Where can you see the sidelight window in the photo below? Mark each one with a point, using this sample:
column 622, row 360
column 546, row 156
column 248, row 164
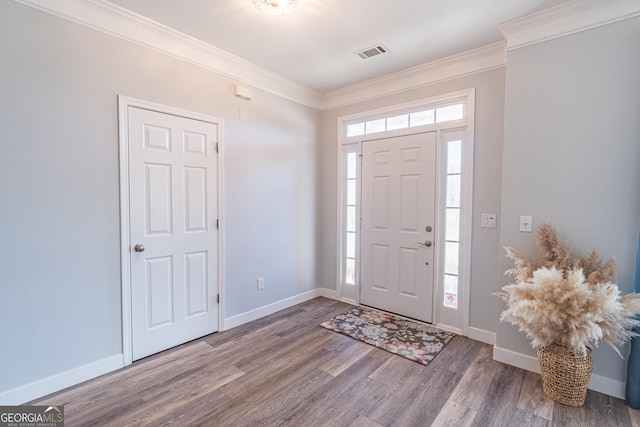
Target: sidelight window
column 351, row 216
column 452, row 222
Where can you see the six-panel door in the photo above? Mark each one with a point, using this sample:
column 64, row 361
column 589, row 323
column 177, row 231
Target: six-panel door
column 173, row 214
column 398, row 205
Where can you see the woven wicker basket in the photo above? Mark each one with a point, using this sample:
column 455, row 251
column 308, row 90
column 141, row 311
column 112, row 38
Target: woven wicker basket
column 565, row 375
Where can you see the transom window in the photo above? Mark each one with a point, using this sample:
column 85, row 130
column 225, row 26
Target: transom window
column 431, row 116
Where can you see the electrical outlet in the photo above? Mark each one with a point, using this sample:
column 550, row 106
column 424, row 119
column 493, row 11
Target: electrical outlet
column 526, row 224
column 260, row 283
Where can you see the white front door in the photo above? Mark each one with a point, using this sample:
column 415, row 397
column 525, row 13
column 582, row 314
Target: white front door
column 398, row 230
column 173, row 231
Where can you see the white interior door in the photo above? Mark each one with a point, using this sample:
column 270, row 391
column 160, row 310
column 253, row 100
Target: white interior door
column 174, row 236
column 398, row 208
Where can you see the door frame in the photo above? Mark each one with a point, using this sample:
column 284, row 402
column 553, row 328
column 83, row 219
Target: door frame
column 124, row 103
column 442, row 316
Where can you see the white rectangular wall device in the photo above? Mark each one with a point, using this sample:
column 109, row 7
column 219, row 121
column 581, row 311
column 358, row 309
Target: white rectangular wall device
column 242, row 92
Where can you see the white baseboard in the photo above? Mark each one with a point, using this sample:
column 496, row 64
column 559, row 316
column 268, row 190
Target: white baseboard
column 449, row 328
column 45, row 386
column 598, row 383
column 608, row 386
column 327, row 293
column 482, row 335
column 241, row 319
column 349, row 301
column 519, row 360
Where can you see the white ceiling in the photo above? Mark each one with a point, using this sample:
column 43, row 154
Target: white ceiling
column 315, row 46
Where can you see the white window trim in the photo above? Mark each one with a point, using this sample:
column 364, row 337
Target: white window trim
column 342, row 197
column 458, row 321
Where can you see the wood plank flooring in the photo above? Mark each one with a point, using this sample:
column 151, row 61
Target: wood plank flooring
column 285, row 370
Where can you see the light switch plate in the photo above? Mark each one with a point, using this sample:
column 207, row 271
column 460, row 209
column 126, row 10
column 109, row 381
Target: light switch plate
column 489, row 220
column 526, row 224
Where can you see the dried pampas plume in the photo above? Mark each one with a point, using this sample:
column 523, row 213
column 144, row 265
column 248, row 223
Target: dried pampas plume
column 575, row 304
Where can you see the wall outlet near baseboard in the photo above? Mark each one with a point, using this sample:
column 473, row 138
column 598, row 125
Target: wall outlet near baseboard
column 260, row 283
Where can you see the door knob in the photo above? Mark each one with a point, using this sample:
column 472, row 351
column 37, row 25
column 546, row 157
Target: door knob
column 429, row 228
column 139, row 247
column 427, row 243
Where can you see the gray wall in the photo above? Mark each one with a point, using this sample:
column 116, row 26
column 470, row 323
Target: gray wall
column 572, row 144
column 571, row 153
column 486, row 193
column 59, row 187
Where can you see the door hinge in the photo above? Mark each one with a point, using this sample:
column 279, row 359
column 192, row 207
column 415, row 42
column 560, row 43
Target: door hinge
column 218, row 298
column 217, row 148
column 218, row 224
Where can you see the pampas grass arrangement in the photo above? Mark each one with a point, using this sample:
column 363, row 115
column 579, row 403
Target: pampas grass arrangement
column 574, row 303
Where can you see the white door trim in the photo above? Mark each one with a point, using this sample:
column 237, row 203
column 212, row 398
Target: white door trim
column 124, row 103
column 351, row 294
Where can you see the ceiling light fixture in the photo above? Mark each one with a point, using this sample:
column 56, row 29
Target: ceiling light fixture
column 275, row 7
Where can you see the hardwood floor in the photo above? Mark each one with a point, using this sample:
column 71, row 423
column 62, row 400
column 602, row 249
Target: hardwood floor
column 286, row 370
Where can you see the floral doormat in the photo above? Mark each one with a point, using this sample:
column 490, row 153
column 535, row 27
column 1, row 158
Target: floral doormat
column 411, row 340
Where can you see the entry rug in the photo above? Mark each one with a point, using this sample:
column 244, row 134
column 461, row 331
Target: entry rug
column 411, row 340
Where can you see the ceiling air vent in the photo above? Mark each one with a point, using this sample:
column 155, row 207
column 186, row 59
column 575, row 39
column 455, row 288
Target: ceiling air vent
column 372, row 51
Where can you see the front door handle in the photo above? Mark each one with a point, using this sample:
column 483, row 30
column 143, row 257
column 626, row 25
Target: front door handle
column 427, row 243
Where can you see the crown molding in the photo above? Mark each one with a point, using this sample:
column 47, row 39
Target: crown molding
column 565, row 19
column 463, row 64
column 572, row 17
column 117, row 21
